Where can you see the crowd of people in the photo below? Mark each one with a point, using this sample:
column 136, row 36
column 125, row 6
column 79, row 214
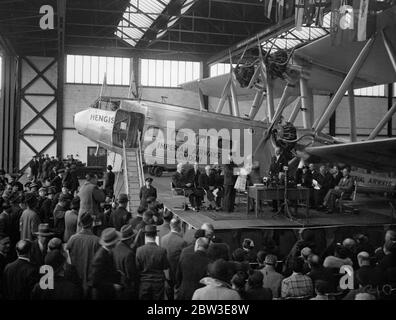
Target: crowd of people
column 99, row 250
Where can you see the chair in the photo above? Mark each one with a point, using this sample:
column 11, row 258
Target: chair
column 344, row 200
column 177, row 193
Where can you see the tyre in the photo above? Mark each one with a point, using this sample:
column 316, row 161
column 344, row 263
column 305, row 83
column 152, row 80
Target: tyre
column 158, row 171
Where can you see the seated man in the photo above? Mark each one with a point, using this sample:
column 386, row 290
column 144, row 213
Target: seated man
column 207, row 182
column 181, row 180
column 322, row 184
column 344, row 187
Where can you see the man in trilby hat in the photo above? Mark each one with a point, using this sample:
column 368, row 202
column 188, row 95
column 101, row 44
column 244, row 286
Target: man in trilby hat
column 104, row 278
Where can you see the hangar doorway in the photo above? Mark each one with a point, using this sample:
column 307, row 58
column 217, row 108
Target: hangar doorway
column 96, row 160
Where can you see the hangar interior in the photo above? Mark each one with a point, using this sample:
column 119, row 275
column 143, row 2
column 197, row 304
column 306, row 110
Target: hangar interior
column 49, row 75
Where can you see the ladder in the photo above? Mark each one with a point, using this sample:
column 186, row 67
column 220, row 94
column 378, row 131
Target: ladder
column 133, row 174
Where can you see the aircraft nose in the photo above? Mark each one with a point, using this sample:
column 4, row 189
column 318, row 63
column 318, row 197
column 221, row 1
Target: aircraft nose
column 80, row 120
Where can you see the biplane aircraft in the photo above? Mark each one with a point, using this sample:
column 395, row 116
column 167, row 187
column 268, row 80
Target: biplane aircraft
column 314, row 68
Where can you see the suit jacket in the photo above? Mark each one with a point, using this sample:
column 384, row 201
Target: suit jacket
column 63, row 290
column 324, row 181
column 229, row 177
column 36, row 255
column 90, row 198
column 104, row 274
column 19, row 279
column 305, row 179
column 82, row 247
column 277, row 165
column 205, row 181
column 124, row 259
column 29, row 222
column 5, row 223
column 145, row 193
column 173, row 243
column 178, row 180
column 109, row 180
column 346, row 185
column 191, row 269
column 119, row 217
column 57, row 183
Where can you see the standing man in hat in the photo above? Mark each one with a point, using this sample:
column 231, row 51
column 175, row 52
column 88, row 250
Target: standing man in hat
column 33, row 165
column 153, row 267
column 147, row 191
column 63, row 289
column 109, row 180
column 91, row 196
column 59, row 215
column 21, row 275
column 40, row 245
column 164, row 228
column 125, row 261
column 82, row 247
column 272, row 279
column 121, row 215
column 71, row 219
column 229, row 183
column 29, row 220
column 57, row 181
column 104, row 277
column 173, row 243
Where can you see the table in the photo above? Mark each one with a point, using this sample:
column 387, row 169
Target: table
column 261, row 193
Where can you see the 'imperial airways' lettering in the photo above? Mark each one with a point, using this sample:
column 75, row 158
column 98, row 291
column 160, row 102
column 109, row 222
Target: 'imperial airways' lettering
column 102, row 118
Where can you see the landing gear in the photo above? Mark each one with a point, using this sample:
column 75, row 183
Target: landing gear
column 151, row 170
column 158, row 171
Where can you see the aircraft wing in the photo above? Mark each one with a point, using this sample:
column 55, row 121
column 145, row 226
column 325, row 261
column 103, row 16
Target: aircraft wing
column 377, row 155
column 213, row 87
column 327, row 65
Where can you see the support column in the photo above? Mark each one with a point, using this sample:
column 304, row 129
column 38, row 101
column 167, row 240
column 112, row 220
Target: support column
column 352, row 113
column 306, row 103
column 205, row 74
column 256, row 105
column 234, row 97
column 61, row 13
column 270, row 99
column 390, row 102
column 295, row 111
column 382, row 123
column 345, row 85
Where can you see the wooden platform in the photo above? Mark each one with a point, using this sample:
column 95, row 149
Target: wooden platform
column 371, row 213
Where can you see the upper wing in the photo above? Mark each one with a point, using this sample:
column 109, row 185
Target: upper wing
column 378, row 155
column 213, row 87
column 327, row 65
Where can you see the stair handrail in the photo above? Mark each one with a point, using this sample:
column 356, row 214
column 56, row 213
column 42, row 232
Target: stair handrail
column 140, row 162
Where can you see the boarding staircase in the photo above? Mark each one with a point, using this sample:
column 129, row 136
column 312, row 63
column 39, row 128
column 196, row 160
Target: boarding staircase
column 132, row 165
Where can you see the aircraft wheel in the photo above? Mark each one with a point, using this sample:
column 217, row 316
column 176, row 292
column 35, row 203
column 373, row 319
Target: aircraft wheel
column 151, row 170
column 158, row 171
